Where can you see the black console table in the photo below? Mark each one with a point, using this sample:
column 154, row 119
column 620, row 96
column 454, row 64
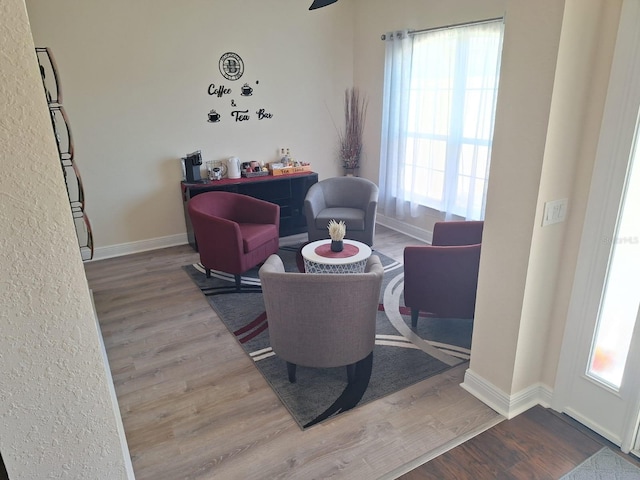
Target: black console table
column 288, row 191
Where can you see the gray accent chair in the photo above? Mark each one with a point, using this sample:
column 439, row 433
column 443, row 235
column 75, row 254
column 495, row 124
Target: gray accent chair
column 321, row 320
column 353, row 200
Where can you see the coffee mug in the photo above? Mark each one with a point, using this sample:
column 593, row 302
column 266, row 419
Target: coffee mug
column 216, row 174
column 214, row 116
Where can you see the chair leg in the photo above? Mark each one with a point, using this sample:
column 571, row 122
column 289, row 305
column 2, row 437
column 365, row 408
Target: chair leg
column 291, row 371
column 208, row 272
column 238, row 282
column 414, row 317
column 351, row 373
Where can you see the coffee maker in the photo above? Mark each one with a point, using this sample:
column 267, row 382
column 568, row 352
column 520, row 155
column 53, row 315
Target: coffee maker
column 192, row 163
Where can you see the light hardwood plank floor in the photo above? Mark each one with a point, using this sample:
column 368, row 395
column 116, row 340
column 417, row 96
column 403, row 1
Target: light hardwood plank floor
column 194, row 406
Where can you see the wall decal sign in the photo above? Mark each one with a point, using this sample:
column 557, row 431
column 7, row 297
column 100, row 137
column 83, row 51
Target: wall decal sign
column 214, row 116
column 231, row 66
column 241, row 115
column 218, row 91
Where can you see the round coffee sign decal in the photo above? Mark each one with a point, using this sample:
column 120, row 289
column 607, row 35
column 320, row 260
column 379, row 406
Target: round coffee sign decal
column 231, row 66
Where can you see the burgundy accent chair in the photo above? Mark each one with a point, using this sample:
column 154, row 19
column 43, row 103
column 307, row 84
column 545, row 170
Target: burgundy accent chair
column 234, row 232
column 442, row 278
column 321, row 320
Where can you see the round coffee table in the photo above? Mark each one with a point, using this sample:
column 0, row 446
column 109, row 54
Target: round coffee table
column 318, row 257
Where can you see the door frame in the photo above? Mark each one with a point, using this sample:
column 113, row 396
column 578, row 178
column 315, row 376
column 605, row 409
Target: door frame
column 615, row 147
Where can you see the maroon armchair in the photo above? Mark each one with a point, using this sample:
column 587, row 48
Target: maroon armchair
column 234, row 232
column 441, row 279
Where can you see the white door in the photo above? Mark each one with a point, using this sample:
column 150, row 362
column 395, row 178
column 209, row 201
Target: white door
column 598, row 380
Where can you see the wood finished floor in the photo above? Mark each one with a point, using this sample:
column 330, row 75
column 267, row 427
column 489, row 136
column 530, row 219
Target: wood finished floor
column 194, row 406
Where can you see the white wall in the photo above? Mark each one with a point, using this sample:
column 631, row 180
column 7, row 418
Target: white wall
column 589, row 28
column 582, row 74
column 135, row 77
column 531, row 40
column 57, row 418
column 549, row 114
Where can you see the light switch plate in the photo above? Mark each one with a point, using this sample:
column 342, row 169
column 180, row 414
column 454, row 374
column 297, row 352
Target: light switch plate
column 555, row 212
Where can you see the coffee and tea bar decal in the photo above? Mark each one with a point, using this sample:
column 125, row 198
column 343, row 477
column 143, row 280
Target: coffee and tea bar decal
column 233, row 96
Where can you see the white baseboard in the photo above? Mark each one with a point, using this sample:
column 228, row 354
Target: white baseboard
column 100, row 253
column 126, row 455
column 506, row 405
column 402, row 227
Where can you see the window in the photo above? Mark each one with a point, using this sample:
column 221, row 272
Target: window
column 438, row 114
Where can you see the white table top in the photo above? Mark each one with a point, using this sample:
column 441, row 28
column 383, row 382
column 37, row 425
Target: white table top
column 309, row 253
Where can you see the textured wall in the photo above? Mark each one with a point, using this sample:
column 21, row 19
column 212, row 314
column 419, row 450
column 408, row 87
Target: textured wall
column 56, row 415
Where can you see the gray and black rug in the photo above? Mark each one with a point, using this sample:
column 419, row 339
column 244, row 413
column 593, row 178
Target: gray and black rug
column 402, row 357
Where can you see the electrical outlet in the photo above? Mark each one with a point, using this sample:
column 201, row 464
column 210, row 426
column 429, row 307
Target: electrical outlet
column 555, row 212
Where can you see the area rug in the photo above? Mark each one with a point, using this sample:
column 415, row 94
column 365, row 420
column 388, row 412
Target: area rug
column 604, row 465
column 401, row 357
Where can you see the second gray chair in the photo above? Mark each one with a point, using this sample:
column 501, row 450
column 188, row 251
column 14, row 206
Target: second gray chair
column 323, row 320
column 353, row 200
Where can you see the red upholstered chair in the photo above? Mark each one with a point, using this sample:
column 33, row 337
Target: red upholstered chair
column 442, row 278
column 234, row 232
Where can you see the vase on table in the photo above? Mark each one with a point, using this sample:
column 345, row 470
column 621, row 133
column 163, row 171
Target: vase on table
column 350, row 172
column 337, row 245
